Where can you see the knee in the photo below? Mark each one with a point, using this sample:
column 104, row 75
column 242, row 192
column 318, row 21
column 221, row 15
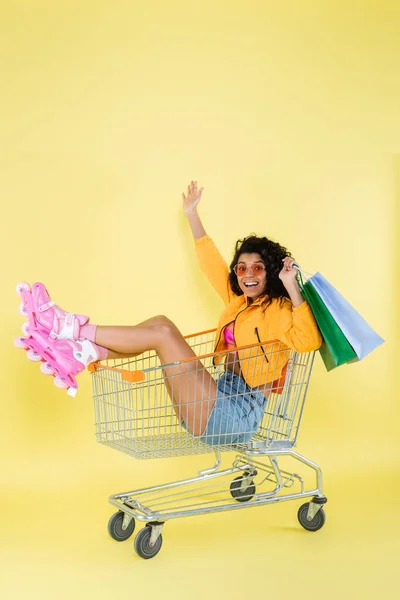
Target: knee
column 159, row 321
column 166, row 327
column 162, row 320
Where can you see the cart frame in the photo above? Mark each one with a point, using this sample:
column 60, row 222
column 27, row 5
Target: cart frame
column 125, row 422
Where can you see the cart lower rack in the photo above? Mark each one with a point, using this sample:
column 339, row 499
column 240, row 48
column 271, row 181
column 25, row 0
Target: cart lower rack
column 135, row 414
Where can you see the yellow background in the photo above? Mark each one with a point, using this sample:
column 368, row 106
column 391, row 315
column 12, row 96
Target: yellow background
column 288, row 114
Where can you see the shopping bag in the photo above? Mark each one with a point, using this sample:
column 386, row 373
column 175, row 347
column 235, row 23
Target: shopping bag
column 362, row 338
column 335, row 349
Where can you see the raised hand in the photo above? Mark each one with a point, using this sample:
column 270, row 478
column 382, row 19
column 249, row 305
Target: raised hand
column 288, row 273
column 193, row 197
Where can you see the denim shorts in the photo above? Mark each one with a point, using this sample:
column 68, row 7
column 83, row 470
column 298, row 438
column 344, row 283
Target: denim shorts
column 237, row 412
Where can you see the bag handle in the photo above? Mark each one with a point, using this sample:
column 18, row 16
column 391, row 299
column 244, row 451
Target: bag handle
column 300, row 275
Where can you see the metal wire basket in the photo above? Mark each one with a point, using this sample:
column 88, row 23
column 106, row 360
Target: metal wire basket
column 134, row 413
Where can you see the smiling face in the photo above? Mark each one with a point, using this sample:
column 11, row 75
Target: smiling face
column 251, row 275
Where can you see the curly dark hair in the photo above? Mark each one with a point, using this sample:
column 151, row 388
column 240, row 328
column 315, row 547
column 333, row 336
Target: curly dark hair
column 272, row 254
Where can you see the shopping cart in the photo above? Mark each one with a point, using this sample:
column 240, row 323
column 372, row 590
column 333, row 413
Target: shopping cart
column 134, row 414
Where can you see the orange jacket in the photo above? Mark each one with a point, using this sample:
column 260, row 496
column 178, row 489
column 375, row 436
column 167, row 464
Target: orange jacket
column 295, row 327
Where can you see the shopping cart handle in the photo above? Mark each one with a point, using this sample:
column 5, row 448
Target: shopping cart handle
column 130, row 376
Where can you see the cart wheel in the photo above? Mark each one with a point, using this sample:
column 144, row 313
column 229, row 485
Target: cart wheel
column 115, row 527
column 142, row 546
column 316, row 522
column 240, row 495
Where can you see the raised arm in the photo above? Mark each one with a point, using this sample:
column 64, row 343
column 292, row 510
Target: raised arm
column 288, row 277
column 297, row 326
column 208, row 255
column 190, row 203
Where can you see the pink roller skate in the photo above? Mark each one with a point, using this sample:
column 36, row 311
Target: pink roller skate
column 44, row 314
column 59, row 358
column 62, row 358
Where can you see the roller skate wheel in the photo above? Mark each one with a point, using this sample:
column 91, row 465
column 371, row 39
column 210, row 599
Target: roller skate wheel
column 22, row 287
column 58, row 382
column 46, row 369
column 23, row 310
column 20, row 342
column 33, row 356
column 72, row 391
column 25, row 330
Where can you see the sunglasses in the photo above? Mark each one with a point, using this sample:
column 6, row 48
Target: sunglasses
column 241, row 269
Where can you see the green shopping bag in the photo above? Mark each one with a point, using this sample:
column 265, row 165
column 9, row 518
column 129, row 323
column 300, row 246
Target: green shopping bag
column 335, row 349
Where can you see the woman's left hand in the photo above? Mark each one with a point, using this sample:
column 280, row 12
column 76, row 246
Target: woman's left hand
column 289, row 272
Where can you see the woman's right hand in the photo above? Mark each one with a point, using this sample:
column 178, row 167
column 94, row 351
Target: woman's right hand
column 193, row 197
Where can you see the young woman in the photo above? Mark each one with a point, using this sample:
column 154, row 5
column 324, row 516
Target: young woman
column 262, row 303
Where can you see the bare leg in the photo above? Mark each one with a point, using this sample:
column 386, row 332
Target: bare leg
column 152, row 321
column 112, row 354
column 191, row 387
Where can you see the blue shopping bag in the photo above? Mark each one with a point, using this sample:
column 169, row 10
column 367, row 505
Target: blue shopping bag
column 359, row 334
column 335, row 349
